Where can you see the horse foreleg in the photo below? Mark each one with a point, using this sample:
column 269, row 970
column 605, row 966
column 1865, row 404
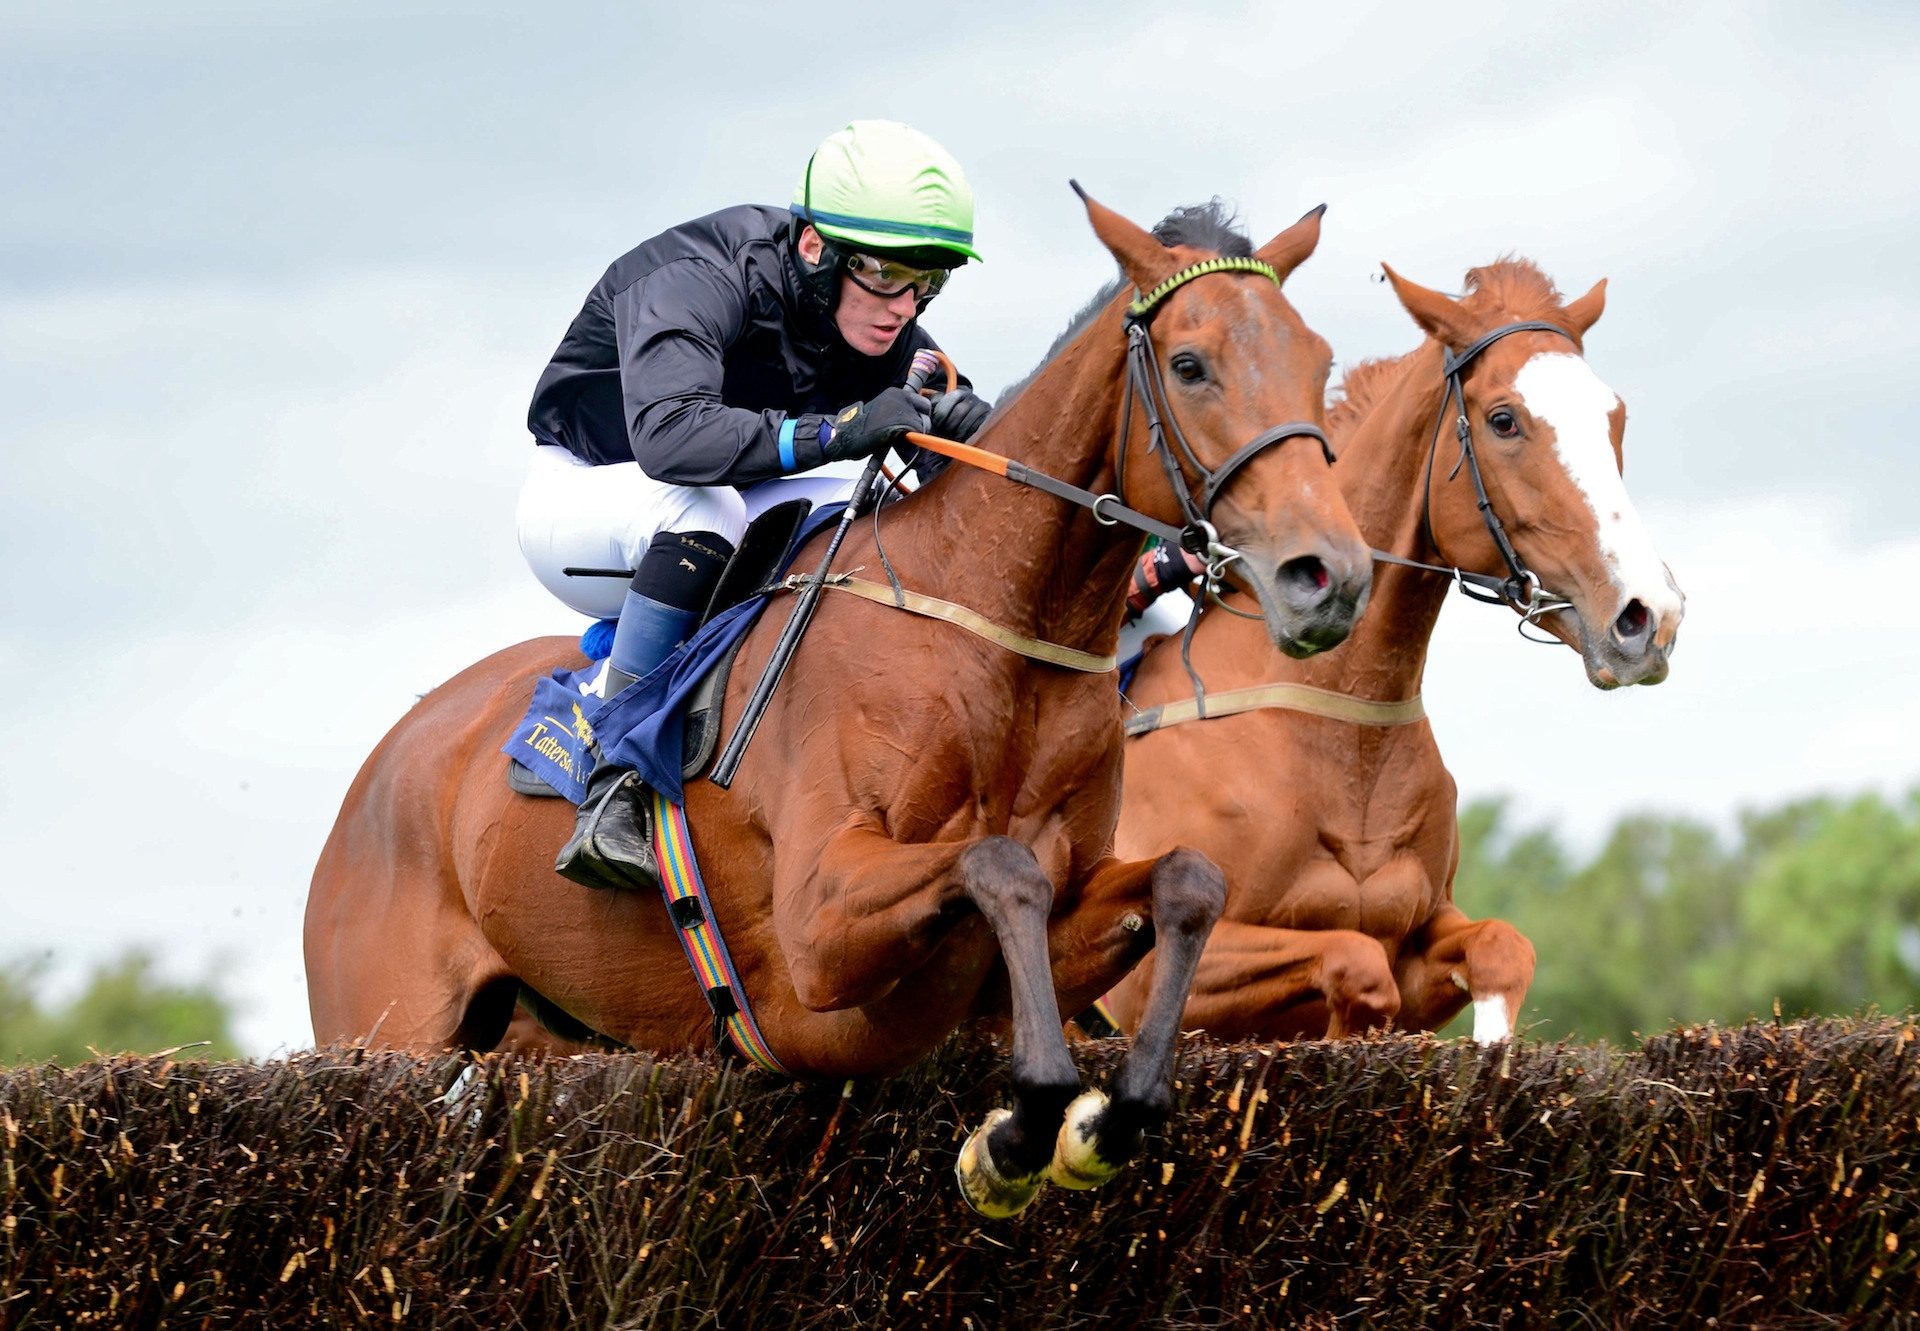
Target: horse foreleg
column 868, row 913
column 865, row 912
column 1455, row 960
column 1258, row 982
column 1004, row 1162
column 1105, row 1130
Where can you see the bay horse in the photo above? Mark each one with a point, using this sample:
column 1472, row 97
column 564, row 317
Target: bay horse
column 922, row 833
column 1338, row 835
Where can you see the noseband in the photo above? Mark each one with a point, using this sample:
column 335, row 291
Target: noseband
column 1521, row 589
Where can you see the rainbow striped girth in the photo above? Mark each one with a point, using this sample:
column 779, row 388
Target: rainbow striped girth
column 692, row 916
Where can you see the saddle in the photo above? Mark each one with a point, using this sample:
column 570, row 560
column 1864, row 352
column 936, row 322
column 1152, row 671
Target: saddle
column 757, row 563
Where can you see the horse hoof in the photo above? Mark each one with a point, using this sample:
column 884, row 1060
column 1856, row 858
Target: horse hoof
column 986, row 1189
column 1076, row 1159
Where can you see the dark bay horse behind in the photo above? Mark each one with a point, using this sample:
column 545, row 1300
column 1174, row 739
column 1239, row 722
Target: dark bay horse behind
column 1338, row 834
column 922, row 832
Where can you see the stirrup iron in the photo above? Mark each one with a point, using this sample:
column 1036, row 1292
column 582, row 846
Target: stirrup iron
column 611, row 846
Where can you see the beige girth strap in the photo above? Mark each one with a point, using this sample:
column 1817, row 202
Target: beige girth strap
column 970, row 620
column 1288, row 697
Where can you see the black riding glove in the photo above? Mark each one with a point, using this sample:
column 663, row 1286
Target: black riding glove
column 959, row 414
column 863, row 430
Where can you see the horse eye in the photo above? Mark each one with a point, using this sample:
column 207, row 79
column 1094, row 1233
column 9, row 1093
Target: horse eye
column 1189, row 368
column 1504, row 423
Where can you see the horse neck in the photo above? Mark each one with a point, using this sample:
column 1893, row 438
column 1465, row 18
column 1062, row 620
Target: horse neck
column 1382, row 473
column 1026, row 560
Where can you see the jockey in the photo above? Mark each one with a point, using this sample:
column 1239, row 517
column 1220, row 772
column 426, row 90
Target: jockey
column 741, row 359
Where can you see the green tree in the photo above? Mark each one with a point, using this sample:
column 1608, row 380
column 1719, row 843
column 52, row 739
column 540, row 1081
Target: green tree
column 1815, row 907
column 125, row 1008
column 1830, row 911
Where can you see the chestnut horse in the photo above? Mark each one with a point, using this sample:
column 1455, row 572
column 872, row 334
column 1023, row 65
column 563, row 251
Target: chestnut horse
column 1339, row 837
column 922, row 832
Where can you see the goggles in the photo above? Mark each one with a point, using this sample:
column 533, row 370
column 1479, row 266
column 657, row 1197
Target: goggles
column 886, row 279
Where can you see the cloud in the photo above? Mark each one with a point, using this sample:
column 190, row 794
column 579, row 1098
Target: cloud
column 275, row 286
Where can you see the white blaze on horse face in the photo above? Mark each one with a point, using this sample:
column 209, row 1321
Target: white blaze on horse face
column 1562, row 390
column 1490, row 1024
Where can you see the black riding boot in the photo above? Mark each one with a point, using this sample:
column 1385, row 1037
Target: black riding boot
column 610, row 846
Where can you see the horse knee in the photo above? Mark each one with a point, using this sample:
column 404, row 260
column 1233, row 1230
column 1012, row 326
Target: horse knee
column 1502, row 957
column 1356, row 977
column 1004, row 879
column 1189, row 894
column 1492, row 958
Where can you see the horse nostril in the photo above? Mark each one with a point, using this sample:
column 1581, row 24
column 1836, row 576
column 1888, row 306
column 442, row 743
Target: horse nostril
column 1305, row 579
column 1633, row 626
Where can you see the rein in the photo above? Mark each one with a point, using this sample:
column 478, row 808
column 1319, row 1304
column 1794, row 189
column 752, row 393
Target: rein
column 1522, row 589
column 1145, row 379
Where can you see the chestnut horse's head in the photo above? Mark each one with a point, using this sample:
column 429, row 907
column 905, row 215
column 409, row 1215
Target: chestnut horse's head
column 1233, row 373
column 1546, row 434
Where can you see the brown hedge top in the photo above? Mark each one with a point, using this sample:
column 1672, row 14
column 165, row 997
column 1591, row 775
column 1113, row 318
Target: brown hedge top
column 1763, row 1175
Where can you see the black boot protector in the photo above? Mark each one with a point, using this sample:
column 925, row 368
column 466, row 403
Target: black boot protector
column 610, row 847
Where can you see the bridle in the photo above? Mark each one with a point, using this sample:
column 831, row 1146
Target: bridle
column 1144, row 377
column 1197, row 532
column 1521, row 589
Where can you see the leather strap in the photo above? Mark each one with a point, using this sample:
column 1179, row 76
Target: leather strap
column 1217, row 478
column 685, row 893
column 1070, row 658
column 1284, row 697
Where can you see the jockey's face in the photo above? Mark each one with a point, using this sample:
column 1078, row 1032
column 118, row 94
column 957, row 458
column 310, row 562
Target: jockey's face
column 869, row 323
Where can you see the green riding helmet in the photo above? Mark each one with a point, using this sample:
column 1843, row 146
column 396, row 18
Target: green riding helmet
column 880, row 185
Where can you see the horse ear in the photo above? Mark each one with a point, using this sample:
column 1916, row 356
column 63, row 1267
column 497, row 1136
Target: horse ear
column 1288, row 250
column 1585, row 312
column 1144, row 260
column 1441, row 317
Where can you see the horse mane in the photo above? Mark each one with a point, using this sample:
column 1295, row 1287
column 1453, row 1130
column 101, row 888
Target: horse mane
column 1360, row 387
column 1514, row 285
column 1511, row 284
column 1206, row 226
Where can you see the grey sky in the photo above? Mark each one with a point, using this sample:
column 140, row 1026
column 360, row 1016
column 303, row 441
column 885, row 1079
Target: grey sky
column 275, row 284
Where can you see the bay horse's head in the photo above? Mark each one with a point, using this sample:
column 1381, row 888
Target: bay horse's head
column 1545, row 436
column 1237, row 382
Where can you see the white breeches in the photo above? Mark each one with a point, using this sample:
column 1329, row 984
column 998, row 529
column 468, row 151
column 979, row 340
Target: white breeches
column 573, row 514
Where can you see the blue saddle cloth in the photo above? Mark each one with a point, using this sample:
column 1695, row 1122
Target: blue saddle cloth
column 642, row 726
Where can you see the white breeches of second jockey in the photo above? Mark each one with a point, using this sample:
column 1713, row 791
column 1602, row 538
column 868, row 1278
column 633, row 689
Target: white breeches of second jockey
column 573, row 514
